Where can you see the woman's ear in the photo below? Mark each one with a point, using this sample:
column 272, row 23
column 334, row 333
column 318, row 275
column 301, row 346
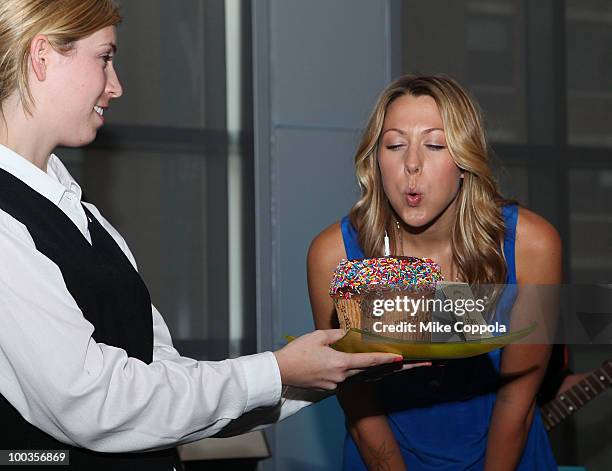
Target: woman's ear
column 39, row 55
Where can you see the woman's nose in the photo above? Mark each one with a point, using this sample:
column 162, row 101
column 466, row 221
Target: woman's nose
column 412, row 162
column 113, row 86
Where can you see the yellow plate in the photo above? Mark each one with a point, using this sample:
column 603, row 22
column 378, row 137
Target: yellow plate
column 358, row 341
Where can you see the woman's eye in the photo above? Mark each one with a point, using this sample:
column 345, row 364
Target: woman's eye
column 435, row 146
column 107, row 58
column 395, row 146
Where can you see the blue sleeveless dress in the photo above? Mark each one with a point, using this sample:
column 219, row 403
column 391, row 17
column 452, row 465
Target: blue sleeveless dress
column 440, row 415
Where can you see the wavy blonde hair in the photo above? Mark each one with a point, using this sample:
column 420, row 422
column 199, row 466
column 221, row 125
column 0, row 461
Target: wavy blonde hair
column 63, row 21
column 478, row 228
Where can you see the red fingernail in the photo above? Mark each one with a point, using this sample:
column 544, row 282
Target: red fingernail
column 398, row 359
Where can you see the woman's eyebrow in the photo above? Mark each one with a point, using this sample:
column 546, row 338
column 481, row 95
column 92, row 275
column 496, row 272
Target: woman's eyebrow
column 111, row 44
column 425, row 131
column 394, row 129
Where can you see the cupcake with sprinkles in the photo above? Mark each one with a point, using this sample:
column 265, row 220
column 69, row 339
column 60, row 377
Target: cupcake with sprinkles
column 378, row 290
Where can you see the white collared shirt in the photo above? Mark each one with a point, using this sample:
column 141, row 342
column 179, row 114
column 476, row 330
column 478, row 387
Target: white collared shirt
column 93, row 395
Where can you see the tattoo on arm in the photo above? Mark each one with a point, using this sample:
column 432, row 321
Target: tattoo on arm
column 379, row 458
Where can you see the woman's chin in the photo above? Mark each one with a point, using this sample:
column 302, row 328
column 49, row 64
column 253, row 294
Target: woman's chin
column 81, row 140
column 422, row 217
column 416, row 218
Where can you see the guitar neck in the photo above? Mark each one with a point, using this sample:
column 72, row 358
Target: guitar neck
column 576, row 397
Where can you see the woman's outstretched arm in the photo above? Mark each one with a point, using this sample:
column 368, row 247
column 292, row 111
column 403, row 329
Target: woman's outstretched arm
column 364, row 414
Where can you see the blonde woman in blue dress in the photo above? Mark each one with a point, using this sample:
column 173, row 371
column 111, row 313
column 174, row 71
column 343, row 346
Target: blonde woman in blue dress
column 425, row 179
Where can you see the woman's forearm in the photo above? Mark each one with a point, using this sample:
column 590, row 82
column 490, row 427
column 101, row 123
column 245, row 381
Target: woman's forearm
column 508, row 434
column 522, row 368
column 370, row 429
column 377, row 445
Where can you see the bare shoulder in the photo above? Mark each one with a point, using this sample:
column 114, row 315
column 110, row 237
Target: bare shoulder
column 327, row 248
column 326, row 251
column 534, row 234
column 538, row 249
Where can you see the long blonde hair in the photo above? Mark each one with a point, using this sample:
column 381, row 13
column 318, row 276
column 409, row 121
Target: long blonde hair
column 63, row 21
column 478, row 228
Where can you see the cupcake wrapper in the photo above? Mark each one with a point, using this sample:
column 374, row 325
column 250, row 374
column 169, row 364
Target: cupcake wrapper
column 357, row 312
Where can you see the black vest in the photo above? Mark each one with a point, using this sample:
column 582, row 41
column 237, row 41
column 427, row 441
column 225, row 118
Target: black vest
column 111, row 295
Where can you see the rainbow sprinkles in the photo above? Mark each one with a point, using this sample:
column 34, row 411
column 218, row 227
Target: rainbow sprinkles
column 354, row 277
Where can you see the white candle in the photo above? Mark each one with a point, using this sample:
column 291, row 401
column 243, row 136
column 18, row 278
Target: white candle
column 387, row 249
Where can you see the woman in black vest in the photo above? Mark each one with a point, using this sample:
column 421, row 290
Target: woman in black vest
column 86, row 362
